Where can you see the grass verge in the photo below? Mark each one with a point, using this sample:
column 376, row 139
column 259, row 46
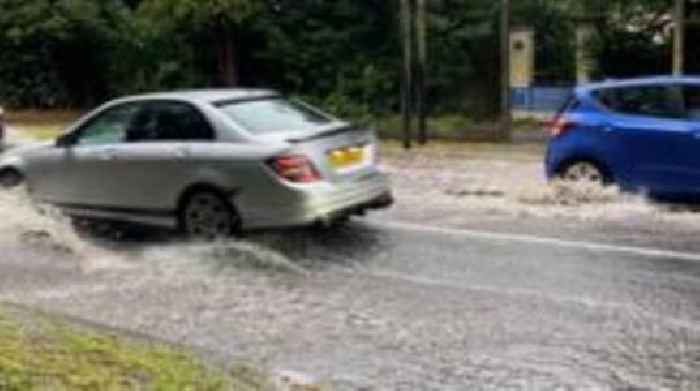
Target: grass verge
column 37, row 353
column 40, row 132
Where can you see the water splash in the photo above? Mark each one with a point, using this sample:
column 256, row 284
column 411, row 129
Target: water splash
column 232, row 255
column 23, row 222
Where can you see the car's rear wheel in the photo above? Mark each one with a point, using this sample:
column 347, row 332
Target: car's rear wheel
column 584, row 173
column 10, row 178
column 207, row 216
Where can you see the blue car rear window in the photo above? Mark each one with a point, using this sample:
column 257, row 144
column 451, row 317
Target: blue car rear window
column 691, row 94
column 664, row 101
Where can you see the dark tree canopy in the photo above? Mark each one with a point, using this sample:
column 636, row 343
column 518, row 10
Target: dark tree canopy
column 344, row 54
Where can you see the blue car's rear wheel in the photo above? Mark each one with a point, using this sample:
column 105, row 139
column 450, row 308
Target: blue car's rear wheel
column 584, row 172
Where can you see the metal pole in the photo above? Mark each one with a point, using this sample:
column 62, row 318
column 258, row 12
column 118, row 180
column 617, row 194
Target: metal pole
column 407, row 78
column 421, row 34
column 506, row 117
column 679, row 38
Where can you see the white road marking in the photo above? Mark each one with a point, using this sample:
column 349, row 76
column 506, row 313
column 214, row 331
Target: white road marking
column 531, row 239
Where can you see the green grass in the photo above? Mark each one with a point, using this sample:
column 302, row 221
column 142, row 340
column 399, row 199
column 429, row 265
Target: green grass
column 41, row 117
column 40, row 125
column 442, row 127
column 41, row 354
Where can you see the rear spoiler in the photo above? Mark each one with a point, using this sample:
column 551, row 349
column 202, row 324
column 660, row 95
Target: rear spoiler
column 324, row 133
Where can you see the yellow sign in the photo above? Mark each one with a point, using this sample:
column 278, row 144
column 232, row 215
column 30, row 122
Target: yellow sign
column 522, row 58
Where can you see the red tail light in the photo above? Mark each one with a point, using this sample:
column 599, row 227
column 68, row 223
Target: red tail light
column 560, row 125
column 295, row 168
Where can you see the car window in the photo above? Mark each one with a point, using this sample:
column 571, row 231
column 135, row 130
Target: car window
column 571, row 104
column 273, row 115
column 656, row 101
column 692, row 102
column 169, row 121
column 109, row 127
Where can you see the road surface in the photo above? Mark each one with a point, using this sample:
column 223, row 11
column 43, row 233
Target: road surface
column 454, row 289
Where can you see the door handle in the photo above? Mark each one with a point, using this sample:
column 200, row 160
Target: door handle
column 182, row 152
column 608, row 128
column 107, row 154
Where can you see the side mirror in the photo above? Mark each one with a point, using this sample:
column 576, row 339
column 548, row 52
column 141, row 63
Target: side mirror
column 65, row 140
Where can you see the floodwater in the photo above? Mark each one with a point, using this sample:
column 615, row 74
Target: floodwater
column 370, row 307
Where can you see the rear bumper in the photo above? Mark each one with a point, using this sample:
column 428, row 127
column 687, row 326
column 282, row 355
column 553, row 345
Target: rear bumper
column 323, row 202
column 550, row 163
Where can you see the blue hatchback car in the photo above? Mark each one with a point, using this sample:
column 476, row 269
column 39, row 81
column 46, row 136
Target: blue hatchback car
column 642, row 135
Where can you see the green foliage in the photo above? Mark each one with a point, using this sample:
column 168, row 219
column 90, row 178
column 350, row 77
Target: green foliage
column 638, row 32
column 61, row 53
column 448, row 126
column 342, row 54
column 201, row 12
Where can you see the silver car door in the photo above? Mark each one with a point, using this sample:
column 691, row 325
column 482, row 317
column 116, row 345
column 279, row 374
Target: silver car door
column 156, row 163
column 78, row 171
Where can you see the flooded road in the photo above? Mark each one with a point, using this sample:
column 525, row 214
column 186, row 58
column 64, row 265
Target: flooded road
column 478, row 279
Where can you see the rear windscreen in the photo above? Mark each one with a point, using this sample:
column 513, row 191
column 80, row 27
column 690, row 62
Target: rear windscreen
column 571, row 103
column 665, row 101
column 273, row 115
column 691, row 95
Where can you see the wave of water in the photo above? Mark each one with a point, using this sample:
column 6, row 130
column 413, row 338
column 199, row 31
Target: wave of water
column 25, row 223
column 518, row 189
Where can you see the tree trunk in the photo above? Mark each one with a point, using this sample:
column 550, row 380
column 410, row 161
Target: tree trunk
column 421, row 68
column 679, row 20
column 406, row 18
column 228, row 70
column 506, row 115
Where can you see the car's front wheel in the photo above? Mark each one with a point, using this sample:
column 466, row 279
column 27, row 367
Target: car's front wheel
column 207, row 216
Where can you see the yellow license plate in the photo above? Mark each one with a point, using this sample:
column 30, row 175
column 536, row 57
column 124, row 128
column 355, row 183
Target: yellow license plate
column 346, row 157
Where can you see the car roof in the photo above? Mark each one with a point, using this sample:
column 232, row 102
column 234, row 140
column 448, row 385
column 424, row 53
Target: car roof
column 207, row 95
column 642, row 81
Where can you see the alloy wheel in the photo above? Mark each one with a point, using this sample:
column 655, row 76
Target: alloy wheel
column 10, row 179
column 583, row 173
column 208, row 217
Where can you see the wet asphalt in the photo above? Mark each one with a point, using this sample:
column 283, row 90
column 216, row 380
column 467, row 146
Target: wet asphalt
column 443, row 292
column 379, row 305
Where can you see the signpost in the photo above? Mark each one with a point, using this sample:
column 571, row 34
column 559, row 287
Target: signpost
column 679, row 38
column 413, row 16
column 506, row 116
column 421, row 36
column 406, row 17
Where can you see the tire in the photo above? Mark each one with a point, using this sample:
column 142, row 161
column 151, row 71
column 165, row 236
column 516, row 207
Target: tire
column 207, row 216
column 10, row 178
column 584, row 173
column 90, row 228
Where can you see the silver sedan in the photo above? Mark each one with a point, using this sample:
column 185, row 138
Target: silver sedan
column 210, row 162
